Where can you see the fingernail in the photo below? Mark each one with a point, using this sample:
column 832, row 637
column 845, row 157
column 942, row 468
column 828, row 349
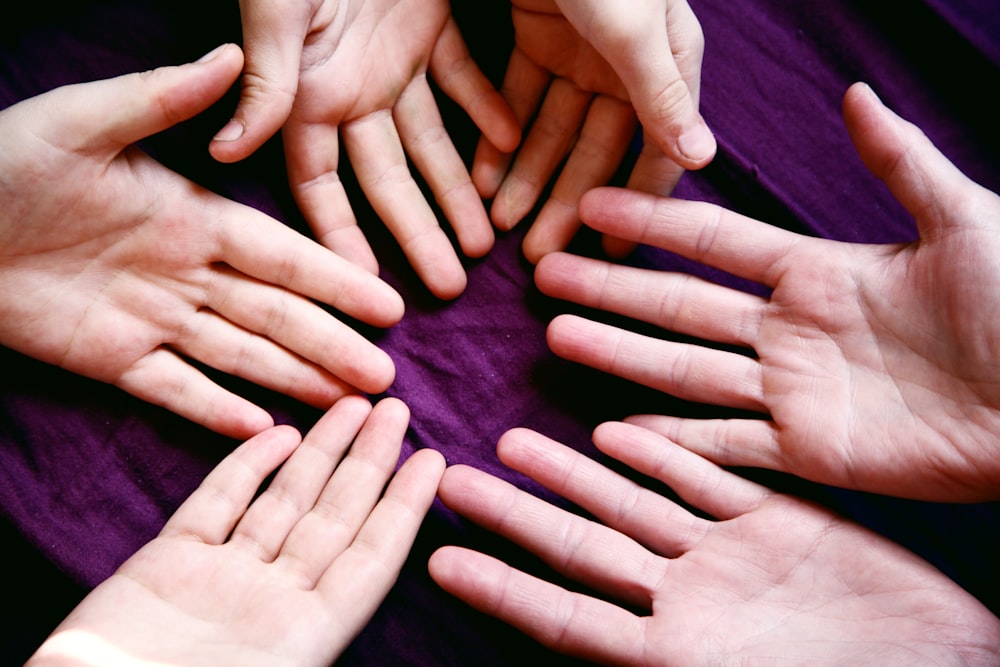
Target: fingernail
column 697, row 144
column 231, row 132
column 211, row 54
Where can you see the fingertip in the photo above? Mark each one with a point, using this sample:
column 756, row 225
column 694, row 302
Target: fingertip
column 249, row 423
column 395, row 408
column 696, row 146
column 448, row 288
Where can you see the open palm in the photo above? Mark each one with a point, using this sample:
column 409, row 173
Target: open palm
column 876, row 364
column 356, row 73
column 770, row 580
column 116, row 268
column 286, row 577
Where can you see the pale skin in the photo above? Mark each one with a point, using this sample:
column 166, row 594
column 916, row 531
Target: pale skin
column 875, row 365
column 114, row 267
column 288, row 578
column 771, row 580
column 355, row 72
column 589, row 69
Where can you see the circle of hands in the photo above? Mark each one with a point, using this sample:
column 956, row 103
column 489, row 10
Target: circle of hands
column 870, row 365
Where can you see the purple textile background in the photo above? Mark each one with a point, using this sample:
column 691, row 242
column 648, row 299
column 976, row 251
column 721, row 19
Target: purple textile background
column 88, row 474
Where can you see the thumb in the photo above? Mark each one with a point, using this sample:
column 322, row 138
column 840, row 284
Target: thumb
column 273, row 37
column 924, row 181
column 113, row 113
column 657, row 54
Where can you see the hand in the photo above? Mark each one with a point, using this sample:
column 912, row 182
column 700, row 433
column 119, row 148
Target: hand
column 290, row 577
column 593, row 61
column 775, row 580
column 116, row 268
column 876, row 364
column 328, row 71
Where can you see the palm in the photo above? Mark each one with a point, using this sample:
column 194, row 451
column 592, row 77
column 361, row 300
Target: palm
column 792, row 580
column 900, row 338
column 876, row 364
column 121, row 270
column 771, row 579
column 284, row 575
column 548, row 40
column 233, row 606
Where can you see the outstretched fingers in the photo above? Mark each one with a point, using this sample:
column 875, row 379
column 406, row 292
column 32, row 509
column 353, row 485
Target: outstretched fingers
column 296, row 487
column 458, row 75
column 581, row 549
column 672, row 301
column 726, row 442
column 361, row 577
column 220, row 501
column 261, row 247
column 607, row 130
column 690, row 372
column 702, row 232
column 570, row 623
column 165, row 379
column 620, row 503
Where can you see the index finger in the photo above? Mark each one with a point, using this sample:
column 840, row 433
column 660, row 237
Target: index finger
column 262, row 247
column 700, row 231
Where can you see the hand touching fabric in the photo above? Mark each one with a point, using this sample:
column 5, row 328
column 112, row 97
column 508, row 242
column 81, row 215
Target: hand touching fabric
column 774, row 581
column 116, row 268
column 290, row 577
column 591, row 62
column 876, row 364
column 329, row 71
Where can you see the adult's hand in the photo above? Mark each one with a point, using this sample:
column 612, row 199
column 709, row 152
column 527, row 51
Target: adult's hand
column 580, row 73
column 774, row 580
column 332, row 71
column 289, row 577
column 877, row 365
column 116, row 268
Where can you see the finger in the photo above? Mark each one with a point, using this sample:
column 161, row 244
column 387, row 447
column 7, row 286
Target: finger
column 211, row 512
column 360, row 579
column 675, row 302
column 689, row 372
column 378, row 160
column 580, row 549
column 292, row 494
column 702, row 484
column 303, row 328
column 312, row 155
column 111, row 114
column 552, row 134
column 429, row 146
column 700, row 231
column 644, row 51
column 654, row 172
column 595, row 157
column 164, row 379
column 263, row 248
column 273, row 37
column 619, row 503
column 350, row 494
column 570, row 623
column 217, row 342
column 749, row 443
column 460, row 78
column 931, row 188
column 523, row 86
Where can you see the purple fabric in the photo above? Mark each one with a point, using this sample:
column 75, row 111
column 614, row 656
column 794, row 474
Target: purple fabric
column 88, row 474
